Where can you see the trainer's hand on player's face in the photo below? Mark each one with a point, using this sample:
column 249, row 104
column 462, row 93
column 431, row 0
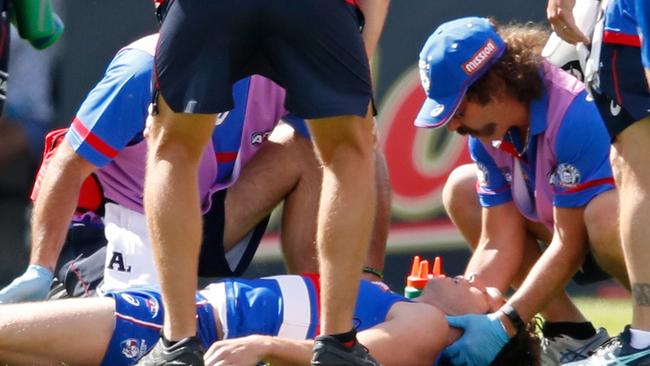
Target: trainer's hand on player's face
column 33, row 285
column 560, row 15
column 482, row 340
column 246, row 351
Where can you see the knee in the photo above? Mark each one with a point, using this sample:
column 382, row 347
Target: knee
column 459, row 193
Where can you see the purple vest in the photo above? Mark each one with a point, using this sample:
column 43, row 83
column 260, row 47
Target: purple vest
column 561, row 89
column 122, row 179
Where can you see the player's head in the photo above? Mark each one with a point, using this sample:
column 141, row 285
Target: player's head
column 459, row 295
column 469, row 63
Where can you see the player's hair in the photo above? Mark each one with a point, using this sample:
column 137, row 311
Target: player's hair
column 519, row 67
column 522, row 350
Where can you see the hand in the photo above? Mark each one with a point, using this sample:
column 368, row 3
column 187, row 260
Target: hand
column 246, row 351
column 33, row 285
column 483, row 338
column 560, row 15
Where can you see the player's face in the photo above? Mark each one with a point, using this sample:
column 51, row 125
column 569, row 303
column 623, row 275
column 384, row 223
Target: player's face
column 486, row 122
column 460, row 295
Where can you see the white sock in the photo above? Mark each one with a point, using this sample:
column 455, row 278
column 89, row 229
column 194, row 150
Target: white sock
column 639, row 339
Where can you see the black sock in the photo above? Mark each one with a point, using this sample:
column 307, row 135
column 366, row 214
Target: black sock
column 348, row 339
column 574, row 330
column 167, row 343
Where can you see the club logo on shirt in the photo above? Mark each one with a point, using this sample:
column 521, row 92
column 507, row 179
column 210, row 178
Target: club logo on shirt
column 482, row 175
column 153, row 306
column 566, row 176
column 133, row 348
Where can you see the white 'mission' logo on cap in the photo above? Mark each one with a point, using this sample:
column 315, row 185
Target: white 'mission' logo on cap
column 479, row 58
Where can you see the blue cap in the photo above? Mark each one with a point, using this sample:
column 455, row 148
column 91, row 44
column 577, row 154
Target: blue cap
column 457, row 54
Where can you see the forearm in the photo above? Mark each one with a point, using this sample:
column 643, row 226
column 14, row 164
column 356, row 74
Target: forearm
column 55, row 205
column 499, row 255
column 281, row 351
column 552, row 271
column 374, row 12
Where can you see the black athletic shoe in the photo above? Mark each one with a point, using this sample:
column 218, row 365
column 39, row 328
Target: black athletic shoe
column 186, row 352
column 328, row 351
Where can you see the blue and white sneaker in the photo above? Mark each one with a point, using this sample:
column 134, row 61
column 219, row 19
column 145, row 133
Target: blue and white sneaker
column 617, row 352
column 563, row 349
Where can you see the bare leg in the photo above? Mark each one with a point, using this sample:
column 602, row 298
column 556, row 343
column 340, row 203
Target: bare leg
column 262, row 186
column 631, row 160
column 346, row 213
column 172, row 208
column 74, row 331
column 462, row 206
column 601, row 217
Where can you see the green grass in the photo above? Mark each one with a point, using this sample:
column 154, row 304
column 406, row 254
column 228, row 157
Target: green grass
column 612, row 314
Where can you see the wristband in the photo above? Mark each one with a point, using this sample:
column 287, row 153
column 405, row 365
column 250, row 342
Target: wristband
column 514, row 317
column 374, row 271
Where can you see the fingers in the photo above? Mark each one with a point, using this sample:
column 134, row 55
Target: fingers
column 560, row 16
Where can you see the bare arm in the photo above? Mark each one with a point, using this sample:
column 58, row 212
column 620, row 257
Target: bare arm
column 56, row 203
column 500, row 251
column 374, row 12
column 420, row 330
column 560, row 15
column 556, row 266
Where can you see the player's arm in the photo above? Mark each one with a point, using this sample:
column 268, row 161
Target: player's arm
column 583, row 171
column 419, row 329
column 374, row 12
column 500, row 249
column 56, row 203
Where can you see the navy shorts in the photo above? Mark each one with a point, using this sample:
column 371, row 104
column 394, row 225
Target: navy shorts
column 312, row 48
column 213, row 261
column 623, row 98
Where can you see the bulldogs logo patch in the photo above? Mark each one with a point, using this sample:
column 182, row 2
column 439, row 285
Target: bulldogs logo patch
column 566, row 176
column 133, row 348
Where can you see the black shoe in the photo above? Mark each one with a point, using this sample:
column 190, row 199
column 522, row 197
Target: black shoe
column 328, row 351
column 617, row 352
column 186, row 352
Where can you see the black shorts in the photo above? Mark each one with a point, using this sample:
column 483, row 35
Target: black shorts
column 312, row 48
column 623, row 97
column 213, row 261
column 4, row 52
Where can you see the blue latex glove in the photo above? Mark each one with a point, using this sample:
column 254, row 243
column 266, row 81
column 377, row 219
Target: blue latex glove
column 33, row 285
column 483, row 338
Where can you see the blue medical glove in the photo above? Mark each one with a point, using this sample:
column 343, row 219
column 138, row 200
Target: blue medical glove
column 483, row 338
column 33, row 285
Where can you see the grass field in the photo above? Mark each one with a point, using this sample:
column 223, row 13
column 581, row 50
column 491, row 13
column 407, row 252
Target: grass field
column 612, row 314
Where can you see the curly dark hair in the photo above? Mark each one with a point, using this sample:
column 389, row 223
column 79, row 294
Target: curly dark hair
column 522, row 350
column 518, row 68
